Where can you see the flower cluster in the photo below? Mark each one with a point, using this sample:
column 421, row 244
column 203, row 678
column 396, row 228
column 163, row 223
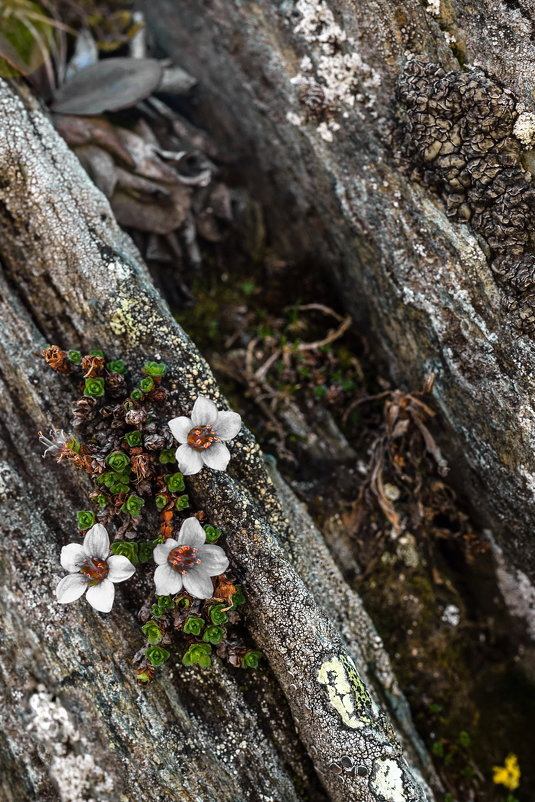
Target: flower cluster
column 126, row 443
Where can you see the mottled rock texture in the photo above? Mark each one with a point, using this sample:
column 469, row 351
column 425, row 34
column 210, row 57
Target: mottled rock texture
column 75, row 724
column 391, row 142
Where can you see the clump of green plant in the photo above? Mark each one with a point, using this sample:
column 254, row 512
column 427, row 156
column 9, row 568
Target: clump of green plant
column 124, row 441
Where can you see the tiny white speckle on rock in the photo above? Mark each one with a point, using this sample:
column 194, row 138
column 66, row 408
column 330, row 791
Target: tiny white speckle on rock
column 524, row 128
column 451, row 615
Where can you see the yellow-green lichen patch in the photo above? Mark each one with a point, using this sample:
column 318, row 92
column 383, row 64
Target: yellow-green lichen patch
column 347, row 692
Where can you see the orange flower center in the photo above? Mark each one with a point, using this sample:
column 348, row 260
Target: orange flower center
column 182, row 558
column 202, row 437
column 95, row 570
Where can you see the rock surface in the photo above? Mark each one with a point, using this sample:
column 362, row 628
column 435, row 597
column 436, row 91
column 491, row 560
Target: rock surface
column 76, row 726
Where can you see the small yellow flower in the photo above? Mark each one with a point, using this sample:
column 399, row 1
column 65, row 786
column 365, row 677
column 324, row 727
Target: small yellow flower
column 508, row 775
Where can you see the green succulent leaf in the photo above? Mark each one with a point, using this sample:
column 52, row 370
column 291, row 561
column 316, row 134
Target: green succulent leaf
column 218, row 614
column 136, row 395
column 133, row 439
column 164, row 602
column 167, row 455
column 158, row 369
column 175, row 482
column 182, row 503
column 146, row 385
column 238, row 597
column 146, row 548
column 101, row 500
column 75, row 357
column 118, row 461
column 96, row 352
column 251, row 659
column 212, row 534
column 85, row 518
column 152, row 632
column 183, row 601
column 160, row 501
column 193, row 625
column 156, row 655
column 213, row 634
column 198, row 653
column 94, row 388
column 133, row 504
column 117, row 366
column 126, row 548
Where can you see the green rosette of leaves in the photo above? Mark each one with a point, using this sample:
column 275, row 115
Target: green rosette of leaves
column 198, row 653
column 156, row 655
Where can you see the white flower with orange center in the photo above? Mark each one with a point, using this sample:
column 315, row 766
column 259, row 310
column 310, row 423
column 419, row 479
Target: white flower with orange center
column 203, row 437
column 93, row 569
column 188, row 562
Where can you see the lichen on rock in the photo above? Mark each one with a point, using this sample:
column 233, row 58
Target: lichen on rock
column 457, row 133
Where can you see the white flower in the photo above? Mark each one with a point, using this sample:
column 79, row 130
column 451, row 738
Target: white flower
column 56, row 442
column 202, row 437
column 188, row 562
column 93, row 569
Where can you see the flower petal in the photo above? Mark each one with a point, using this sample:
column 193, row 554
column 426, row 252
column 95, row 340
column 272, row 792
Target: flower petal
column 97, row 542
column 71, row 588
column 120, row 568
column 101, row 596
column 73, row 557
column 217, row 456
column 191, row 534
column 167, row 581
column 227, row 425
column 198, row 583
column 189, row 461
column 204, row 412
column 161, row 552
column 181, row 427
column 213, row 559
